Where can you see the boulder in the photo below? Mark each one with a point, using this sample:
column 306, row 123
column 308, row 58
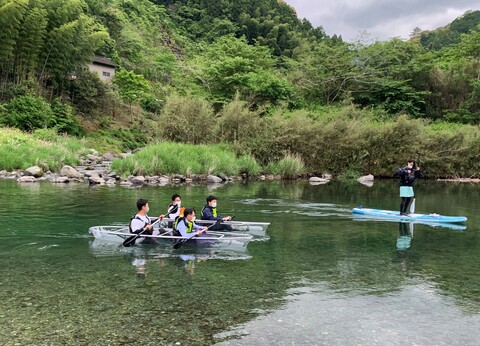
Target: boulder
column 70, row 172
column 34, row 171
column 61, row 180
column 327, row 176
column 96, row 181
column 318, row 180
column 27, row 179
column 111, row 181
column 3, row 172
column 214, row 179
column 368, row 177
column 108, row 157
column 126, row 183
column 366, row 180
column 123, row 155
column 92, row 174
column 138, row 180
column 94, row 158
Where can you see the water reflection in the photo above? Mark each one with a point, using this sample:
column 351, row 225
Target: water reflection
column 404, row 240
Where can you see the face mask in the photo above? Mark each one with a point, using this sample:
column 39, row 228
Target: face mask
column 193, row 219
column 147, row 210
column 179, row 203
column 214, row 205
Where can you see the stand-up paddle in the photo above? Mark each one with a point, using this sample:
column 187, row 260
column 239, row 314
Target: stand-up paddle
column 131, row 240
column 178, row 244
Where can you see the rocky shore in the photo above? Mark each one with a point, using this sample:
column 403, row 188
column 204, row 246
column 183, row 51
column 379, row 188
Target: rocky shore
column 95, row 169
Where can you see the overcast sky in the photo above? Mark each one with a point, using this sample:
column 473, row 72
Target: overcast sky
column 381, row 19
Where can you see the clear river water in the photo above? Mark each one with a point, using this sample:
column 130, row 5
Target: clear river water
column 322, row 277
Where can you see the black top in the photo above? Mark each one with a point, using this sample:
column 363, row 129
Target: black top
column 406, row 178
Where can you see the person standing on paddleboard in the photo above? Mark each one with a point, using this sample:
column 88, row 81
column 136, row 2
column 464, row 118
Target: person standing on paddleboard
column 407, row 175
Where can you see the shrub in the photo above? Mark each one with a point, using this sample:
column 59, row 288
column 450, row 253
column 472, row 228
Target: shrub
column 290, row 167
column 28, row 113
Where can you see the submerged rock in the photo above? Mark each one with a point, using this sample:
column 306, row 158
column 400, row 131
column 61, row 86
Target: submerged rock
column 96, row 181
column 27, row 179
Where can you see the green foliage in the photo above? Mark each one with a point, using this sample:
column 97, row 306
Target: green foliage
column 290, row 167
column 170, row 158
column 131, row 86
column 20, row 151
column 450, row 35
column 28, row 113
column 65, row 120
column 187, row 120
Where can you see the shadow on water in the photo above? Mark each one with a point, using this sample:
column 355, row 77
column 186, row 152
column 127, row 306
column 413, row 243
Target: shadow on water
column 59, row 288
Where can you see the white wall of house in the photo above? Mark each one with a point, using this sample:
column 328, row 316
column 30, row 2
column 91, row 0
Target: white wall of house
column 106, row 73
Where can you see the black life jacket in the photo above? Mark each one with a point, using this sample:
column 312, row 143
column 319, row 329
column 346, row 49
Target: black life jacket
column 136, row 217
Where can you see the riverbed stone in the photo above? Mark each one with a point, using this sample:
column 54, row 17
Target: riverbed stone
column 96, row 180
column 138, row 180
column 318, row 180
column 108, row 157
column 27, row 179
column 69, row 171
column 366, row 178
column 214, row 179
column 34, row 171
column 123, row 155
column 61, row 180
column 111, row 181
column 94, row 158
column 126, row 183
column 3, row 172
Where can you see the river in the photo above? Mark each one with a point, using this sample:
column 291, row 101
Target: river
column 321, row 278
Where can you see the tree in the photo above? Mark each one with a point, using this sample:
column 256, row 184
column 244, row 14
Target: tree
column 131, row 86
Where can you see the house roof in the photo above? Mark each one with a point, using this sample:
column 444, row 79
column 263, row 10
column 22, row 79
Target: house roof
column 101, row 60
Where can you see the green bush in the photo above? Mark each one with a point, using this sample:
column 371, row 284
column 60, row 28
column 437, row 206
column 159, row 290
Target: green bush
column 187, row 120
column 28, row 113
column 290, row 167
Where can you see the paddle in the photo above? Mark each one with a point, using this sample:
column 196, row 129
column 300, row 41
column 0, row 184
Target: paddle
column 177, row 245
column 131, row 240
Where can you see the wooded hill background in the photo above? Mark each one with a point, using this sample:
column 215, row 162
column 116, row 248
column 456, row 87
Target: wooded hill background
column 234, row 72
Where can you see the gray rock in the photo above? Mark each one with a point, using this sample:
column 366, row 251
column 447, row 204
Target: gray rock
column 214, row 179
column 123, row 155
column 27, row 179
column 126, row 183
column 111, row 181
column 96, row 181
column 108, row 157
column 327, row 176
column 61, row 180
column 262, row 177
column 34, row 171
column 163, row 180
column 92, row 174
column 223, row 177
column 318, row 180
column 3, row 172
column 138, row 180
column 69, row 171
column 94, row 158
column 365, row 178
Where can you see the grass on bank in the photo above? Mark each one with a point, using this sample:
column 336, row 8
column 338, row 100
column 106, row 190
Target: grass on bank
column 19, row 150
column 186, row 159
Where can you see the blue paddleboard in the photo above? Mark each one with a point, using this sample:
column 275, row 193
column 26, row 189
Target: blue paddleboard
column 395, row 215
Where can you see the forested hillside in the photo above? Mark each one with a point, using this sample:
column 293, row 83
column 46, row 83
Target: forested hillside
column 221, row 71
